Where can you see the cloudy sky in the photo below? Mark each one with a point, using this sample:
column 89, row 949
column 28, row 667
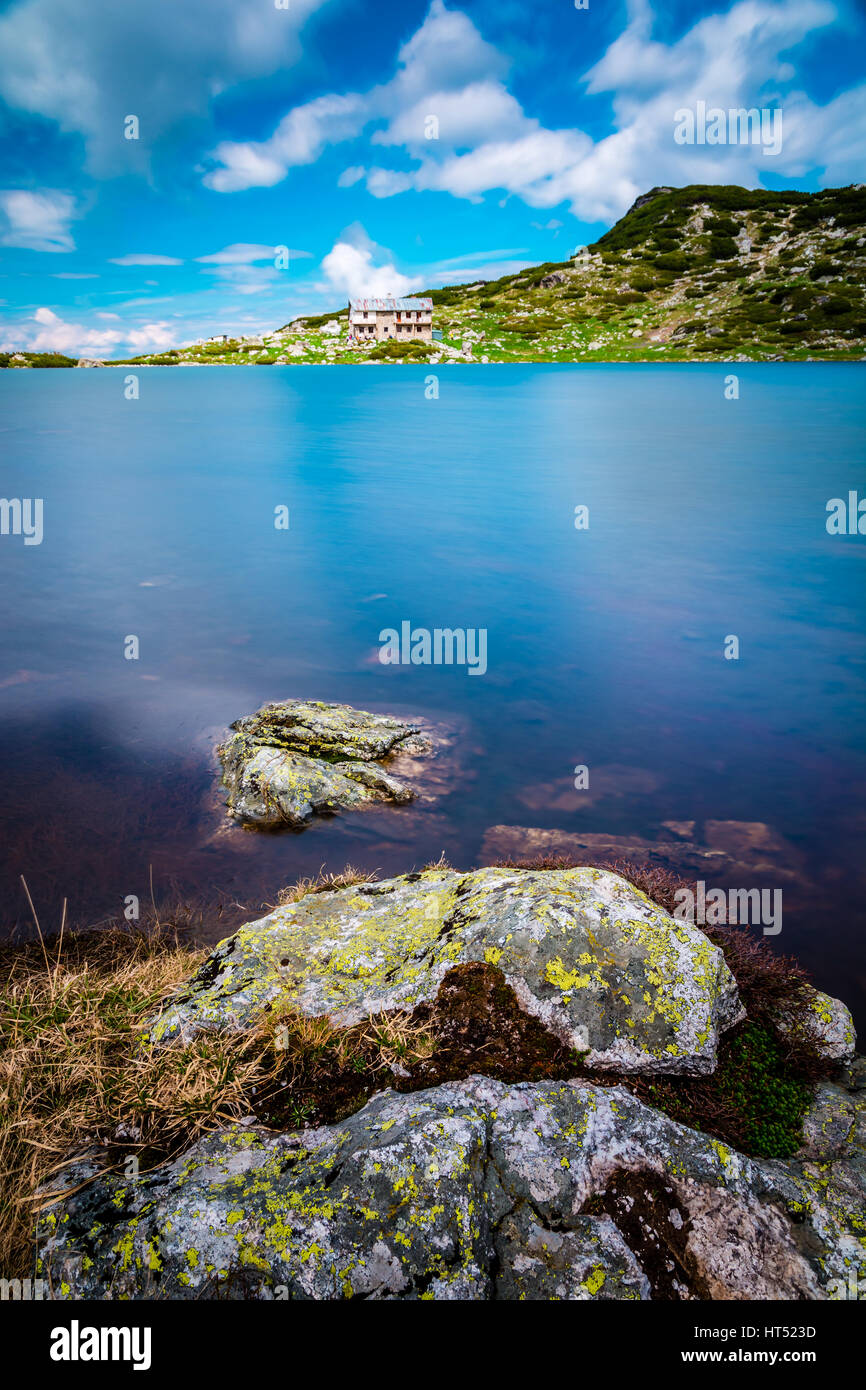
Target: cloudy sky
column 390, row 145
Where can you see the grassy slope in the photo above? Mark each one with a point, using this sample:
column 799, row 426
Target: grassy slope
column 697, row 273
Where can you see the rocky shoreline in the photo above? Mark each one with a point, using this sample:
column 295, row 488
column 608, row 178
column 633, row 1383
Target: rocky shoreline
column 521, row 1134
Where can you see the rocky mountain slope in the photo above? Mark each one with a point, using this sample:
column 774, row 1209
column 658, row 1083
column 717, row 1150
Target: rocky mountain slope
column 690, row 274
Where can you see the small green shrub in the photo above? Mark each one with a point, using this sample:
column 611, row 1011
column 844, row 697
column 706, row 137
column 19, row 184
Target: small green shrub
column 822, row 269
column 722, row 248
column 673, row 260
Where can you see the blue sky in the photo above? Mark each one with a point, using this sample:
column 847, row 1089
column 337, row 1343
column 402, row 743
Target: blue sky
column 390, row 146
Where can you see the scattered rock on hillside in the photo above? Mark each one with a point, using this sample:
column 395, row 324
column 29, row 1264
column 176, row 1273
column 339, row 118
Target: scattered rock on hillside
column 471, row 1190
column 605, row 970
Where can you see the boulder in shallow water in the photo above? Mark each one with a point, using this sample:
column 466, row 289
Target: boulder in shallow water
column 297, row 759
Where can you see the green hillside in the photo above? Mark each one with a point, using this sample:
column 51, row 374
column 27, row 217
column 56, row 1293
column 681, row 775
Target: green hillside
column 689, row 274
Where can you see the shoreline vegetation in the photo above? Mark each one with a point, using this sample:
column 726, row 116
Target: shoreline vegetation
column 77, row 1079
column 702, row 273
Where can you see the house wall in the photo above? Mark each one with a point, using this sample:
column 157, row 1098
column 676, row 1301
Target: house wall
column 397, row 325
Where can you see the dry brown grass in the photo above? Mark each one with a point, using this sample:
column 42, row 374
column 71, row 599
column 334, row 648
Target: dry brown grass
column 323, row 883
column 441, row 863
column 75, row 1077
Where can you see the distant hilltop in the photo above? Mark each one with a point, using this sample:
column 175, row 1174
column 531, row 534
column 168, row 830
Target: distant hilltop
column 687, row 274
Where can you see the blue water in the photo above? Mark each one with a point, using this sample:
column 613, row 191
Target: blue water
column 605, row 646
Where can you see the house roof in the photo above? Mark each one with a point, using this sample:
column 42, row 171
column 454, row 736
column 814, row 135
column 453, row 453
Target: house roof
column 389, row 304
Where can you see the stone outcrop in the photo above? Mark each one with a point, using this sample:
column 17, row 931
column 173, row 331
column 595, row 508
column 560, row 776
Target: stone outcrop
column 604, row 969
column 478, row 1187
column 824, row 1023
column 297, row 759
column 475, row 1190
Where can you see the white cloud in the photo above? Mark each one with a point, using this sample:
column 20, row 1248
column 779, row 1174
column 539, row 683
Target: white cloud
column 465, row 274
column 731, row 59
column 38, row 221
column 479, row 111
column 56, row 335
column 246, row 253
column 247, row 267
column 446, row 69
column 486, row 142
column 143, row 258
column 351, row 271
column 239, row 253
column 46, row 331
column 86, row 64
column 152, row 337
column 299, row 139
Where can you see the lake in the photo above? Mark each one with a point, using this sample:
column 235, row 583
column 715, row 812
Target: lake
column 605, row 645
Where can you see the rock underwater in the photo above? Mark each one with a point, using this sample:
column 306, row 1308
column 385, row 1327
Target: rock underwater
column 296, row 759
column 478, row 1187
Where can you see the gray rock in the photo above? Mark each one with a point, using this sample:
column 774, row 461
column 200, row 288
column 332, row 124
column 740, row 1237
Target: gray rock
column 471, row 1190
column 825, row 1023
column 296, row 759
column 606, row 970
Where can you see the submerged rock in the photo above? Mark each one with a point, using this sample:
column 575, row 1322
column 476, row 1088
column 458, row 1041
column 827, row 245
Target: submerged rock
column 604, row 969
column 736, row 848
column 299, row 758
column 470, row 1190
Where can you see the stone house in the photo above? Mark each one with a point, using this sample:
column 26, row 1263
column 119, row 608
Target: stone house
column 381, row 320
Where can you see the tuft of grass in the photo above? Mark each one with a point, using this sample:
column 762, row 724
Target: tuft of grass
column 440, row 863
column 323, row 883
column 539, row 862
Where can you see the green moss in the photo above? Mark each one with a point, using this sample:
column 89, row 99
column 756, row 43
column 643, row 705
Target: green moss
column 772, row 1102
column 754, row 1100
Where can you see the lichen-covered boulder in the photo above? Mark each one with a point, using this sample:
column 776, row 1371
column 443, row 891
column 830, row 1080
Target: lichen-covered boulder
column 470, row 1190
column 604, row 969
column 822, row 1022
column 300, row 758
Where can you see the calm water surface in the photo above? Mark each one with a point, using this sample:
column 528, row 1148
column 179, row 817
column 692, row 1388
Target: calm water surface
column 605, row 647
